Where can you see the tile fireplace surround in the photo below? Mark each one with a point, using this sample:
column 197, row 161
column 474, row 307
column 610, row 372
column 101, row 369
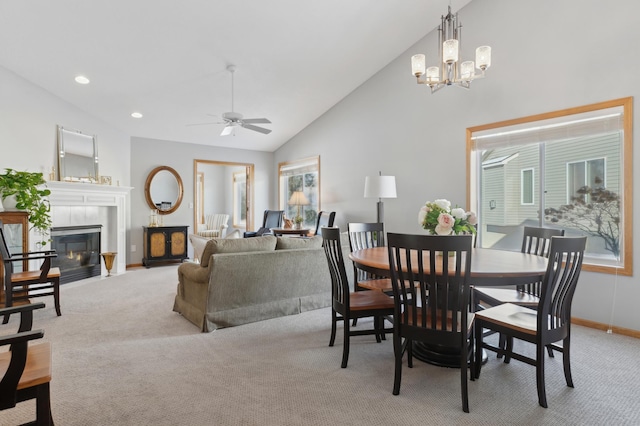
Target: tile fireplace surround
column 91, row 204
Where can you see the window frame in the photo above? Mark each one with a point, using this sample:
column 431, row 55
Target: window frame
column 304, row 164
column 625, row 266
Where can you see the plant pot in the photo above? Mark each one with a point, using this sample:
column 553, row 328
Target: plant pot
column 9, row 203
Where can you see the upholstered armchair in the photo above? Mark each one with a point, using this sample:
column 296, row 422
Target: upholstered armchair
column 272, row 219
column 214, row 226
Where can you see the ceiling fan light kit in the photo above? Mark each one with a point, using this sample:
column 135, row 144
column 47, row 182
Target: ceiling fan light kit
column 234, row 119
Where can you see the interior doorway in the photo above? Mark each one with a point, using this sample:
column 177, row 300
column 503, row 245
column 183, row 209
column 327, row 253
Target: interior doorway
column 222, row 187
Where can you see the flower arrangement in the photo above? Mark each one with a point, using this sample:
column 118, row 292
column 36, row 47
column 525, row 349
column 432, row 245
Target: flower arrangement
column 439, row 218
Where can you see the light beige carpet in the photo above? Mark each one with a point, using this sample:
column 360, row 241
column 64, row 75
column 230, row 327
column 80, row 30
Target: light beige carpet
column 122, row 357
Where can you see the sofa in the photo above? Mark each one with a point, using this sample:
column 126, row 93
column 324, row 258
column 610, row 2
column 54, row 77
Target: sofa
column 238, row 281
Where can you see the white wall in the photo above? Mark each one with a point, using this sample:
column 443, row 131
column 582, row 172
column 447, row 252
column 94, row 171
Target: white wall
column 547, row 55
column 28, row 119
column 147, row 154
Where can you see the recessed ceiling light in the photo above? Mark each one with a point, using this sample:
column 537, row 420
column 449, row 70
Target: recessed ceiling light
column 81, row 79
column 136, row 115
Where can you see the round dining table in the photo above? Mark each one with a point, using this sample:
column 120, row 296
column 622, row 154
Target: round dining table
column 489, row 267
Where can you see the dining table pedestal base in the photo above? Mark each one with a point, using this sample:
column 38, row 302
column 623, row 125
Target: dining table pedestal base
column 441, row 356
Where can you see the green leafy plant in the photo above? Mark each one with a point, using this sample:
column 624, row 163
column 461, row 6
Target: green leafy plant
column 31, row 197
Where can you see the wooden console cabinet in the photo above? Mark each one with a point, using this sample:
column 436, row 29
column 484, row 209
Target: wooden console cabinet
column 164, row 243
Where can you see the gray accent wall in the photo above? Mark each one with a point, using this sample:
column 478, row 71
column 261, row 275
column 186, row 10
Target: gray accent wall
column 547, row 56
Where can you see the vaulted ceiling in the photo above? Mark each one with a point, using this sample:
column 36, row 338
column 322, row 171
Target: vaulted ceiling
column 168, row 60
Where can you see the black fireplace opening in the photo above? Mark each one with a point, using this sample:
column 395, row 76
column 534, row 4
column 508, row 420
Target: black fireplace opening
column 78, row 249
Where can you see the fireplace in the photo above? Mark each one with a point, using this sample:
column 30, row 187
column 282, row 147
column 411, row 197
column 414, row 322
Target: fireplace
column 78, row 249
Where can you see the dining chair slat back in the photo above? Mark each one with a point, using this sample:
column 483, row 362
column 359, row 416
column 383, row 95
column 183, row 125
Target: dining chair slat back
column 430, row 278
column 549, row 323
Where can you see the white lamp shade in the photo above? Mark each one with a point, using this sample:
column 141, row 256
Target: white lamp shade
column 418, row 64
column 466, row 70
column 483, row 57
column 380, row 187
column 298, row 199
column 450, row 51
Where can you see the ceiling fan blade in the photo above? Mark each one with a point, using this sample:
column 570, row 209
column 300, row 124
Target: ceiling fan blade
column 203, row 124
column 256, row 120
column 256, row 128
column 227, row 131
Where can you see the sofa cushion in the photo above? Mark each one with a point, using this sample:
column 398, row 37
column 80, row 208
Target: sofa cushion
column 285, row 243
column 237, row 245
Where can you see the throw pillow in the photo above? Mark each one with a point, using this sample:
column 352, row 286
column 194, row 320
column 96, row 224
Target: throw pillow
column 237, row 245
column 298, row 243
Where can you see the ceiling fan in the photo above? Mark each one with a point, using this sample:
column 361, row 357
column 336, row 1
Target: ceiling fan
column 233, row 119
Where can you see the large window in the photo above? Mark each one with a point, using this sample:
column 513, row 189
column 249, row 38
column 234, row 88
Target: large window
column 567, row 169
column 300, row 175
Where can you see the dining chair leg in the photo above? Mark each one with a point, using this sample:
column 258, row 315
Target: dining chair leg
column 550, row 351
column 477, row 353
column 345, row 343
column 334, row 319
column 566, row 361
column 464, row 385
column 376, row 326
column 508, row 350
column 43, row 405
column 542, row 395
column 56, row 295
column 398, row 352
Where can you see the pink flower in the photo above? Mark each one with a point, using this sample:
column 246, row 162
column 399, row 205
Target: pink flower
column 472, row 218
column 445, row 224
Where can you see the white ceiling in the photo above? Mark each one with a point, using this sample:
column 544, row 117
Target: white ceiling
column 295, row 59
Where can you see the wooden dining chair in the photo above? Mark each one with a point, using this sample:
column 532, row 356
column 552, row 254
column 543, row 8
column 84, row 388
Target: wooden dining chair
column 347, row 305
column 548, row 323
column 26, row 367
column 534, row 241
column 23, row 285
column 430, row 279
column 363, row 236
column 325, row 219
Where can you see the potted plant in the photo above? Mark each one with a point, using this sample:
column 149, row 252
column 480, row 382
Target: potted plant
column 298, row 221
column 30, row 196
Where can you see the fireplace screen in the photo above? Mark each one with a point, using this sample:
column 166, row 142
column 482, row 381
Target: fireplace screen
column 78, row 249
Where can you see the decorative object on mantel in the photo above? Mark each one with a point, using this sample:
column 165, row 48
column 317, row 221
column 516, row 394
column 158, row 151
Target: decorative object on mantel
column 108, row 258
column 440, row 219
column 298, row 199
column 30, row 192
column 380, row 187
column 105, row 180
column 449, row 46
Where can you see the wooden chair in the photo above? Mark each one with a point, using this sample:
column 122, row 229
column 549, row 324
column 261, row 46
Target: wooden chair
column 432, row 298
column 548, row 323
column 27, row 368
column 347, row 305
column 534, row 241
column 362, row 236
column 28, row 284
column 271, row 219
column 325, row 219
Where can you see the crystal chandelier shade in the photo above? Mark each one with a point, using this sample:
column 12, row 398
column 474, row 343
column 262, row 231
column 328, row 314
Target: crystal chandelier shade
column 451, row 70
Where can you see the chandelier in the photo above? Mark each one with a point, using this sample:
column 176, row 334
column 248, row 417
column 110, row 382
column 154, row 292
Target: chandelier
column 453, row 71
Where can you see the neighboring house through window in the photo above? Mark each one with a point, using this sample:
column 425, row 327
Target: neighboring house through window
column 568, row 169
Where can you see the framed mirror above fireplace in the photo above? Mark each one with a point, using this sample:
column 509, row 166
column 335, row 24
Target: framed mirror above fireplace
column 77, row 156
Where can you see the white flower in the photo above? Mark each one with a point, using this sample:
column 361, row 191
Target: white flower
column 443, row 204
column 459, row 213
column 422, row 214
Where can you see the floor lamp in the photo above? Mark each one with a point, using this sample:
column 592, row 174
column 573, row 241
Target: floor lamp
column 380, row 187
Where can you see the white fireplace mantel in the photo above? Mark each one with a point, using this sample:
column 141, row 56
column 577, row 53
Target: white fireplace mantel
column 93, row 195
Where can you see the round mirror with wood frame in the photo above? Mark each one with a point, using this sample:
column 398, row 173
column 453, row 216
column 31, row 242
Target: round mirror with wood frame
column 163, row 189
